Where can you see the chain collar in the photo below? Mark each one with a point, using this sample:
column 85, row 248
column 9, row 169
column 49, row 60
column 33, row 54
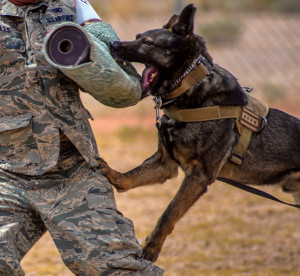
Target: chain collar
column 200, row 59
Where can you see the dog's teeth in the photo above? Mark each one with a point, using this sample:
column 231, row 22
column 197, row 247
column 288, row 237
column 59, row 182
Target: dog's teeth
column 153, row 77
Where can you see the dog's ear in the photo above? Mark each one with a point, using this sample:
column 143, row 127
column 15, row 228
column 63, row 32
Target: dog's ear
column 171, row 22
column 185, row 24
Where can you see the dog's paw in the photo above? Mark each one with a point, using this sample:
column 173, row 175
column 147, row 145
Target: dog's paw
column 113, row 176
column 104, row 167
column 150, row 254
column 117, row 180
column 151, row 249
column 118, row 185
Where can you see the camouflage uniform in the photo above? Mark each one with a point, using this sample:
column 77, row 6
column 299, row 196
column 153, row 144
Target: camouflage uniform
column 49, row 177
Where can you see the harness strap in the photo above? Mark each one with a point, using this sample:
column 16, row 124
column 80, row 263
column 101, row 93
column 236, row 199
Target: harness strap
column 243, row 143
column 204, row 113
column 249, row 119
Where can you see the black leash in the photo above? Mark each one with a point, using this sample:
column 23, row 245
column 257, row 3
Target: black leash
column 255, row 191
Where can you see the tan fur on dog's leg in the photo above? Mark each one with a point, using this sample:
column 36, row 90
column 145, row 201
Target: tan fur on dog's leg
column 297, row 197
column 156, row 169
column 191, row 189
column 291, row 184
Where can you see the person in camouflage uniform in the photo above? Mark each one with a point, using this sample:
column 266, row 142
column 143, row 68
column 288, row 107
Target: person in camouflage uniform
column 49, row 175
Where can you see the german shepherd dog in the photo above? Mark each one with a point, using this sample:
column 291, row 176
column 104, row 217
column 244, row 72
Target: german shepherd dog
column 200, row 148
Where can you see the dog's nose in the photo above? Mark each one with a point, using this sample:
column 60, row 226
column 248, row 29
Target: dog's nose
column 115, row 44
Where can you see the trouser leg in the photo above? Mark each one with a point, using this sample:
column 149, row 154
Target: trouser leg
column 92, row 237
column 20, row 226
column 77, row 206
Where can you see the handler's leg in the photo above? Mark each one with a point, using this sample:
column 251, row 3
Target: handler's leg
column 20, row 226
column 92, row 236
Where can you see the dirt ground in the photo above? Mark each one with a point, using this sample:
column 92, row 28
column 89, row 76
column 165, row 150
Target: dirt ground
column 227, row 232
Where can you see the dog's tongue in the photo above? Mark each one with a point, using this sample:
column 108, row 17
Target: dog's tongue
column 149, row 75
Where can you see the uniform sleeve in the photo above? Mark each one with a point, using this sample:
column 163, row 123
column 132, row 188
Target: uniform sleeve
column 111, row 83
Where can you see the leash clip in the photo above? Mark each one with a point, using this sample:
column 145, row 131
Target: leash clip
column 158, row 104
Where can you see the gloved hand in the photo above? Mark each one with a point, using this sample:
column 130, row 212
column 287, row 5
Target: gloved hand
column 24, row 2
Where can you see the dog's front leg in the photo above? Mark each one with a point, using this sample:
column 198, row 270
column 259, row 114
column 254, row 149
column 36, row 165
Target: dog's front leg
column 191, row 189
column 156, row 169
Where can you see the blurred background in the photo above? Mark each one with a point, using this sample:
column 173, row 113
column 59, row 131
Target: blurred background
column 227, row 232
column 257, row 40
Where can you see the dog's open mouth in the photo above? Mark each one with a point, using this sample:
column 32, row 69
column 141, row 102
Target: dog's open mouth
column 149, row 78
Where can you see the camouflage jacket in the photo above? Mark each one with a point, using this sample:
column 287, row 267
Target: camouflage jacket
column 37, row 99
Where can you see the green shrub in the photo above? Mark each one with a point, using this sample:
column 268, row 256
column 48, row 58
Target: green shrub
column 223, row 30
column 286, row 6
column 130, row 134
column 272, row 92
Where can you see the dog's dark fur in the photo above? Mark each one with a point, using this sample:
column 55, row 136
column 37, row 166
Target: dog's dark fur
column 202, row 148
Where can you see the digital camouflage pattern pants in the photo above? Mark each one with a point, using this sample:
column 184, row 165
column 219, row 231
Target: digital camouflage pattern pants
column 77, row 206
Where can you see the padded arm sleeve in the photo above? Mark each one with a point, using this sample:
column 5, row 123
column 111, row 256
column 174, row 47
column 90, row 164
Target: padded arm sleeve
column 113, row 84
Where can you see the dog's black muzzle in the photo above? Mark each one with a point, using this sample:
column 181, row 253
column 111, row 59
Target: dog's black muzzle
column 115, row 45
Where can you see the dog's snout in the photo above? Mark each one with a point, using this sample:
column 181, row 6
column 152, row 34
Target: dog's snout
column 115, row 45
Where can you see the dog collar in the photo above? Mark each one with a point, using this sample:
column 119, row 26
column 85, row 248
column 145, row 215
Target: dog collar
column 198, row 70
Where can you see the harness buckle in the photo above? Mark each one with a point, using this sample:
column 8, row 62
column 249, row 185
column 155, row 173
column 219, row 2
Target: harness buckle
column 236, row 159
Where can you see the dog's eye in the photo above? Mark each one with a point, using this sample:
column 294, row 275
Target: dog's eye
column 148, row 41
column 138, row 36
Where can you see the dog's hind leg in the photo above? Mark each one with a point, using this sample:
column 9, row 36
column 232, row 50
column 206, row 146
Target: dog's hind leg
column 297, row 197
column 291, row 184
column 191, row 189
column 156, row 169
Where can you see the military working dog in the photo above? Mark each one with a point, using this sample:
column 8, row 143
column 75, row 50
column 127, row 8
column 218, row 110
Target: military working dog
column 204, row 109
